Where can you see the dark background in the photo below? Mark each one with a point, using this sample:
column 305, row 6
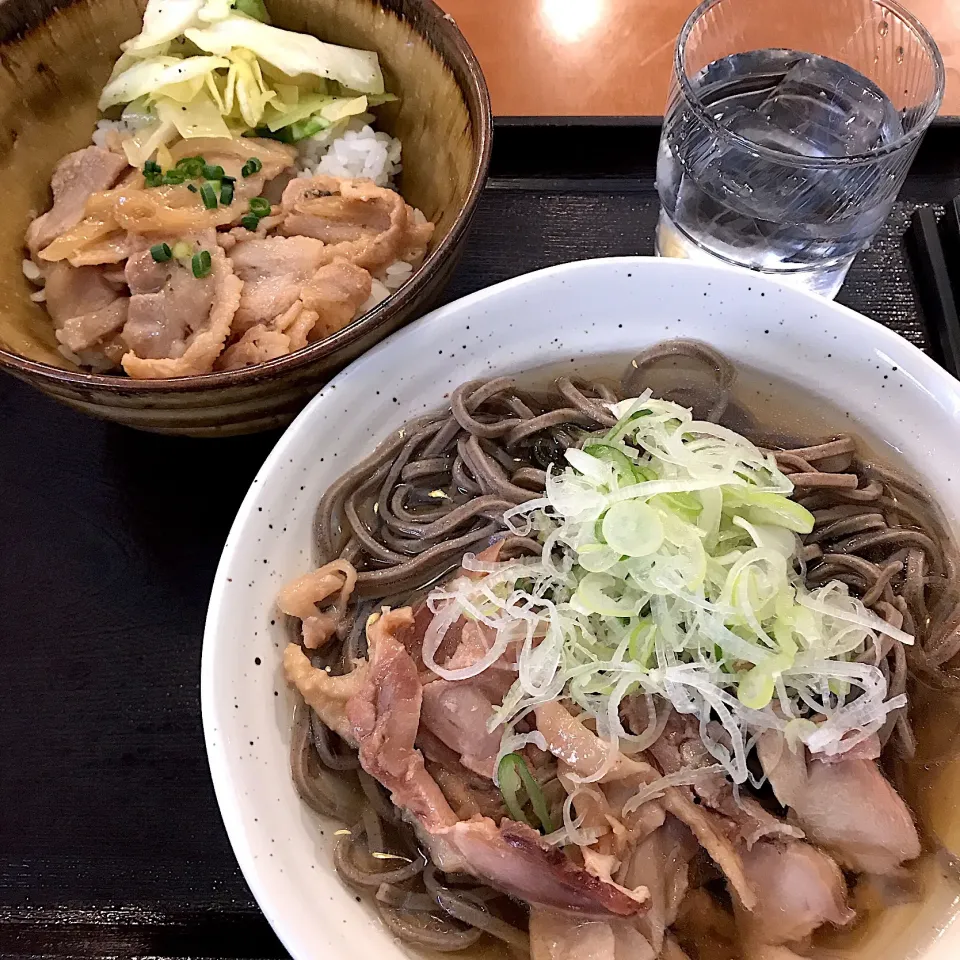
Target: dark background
column 110, row 838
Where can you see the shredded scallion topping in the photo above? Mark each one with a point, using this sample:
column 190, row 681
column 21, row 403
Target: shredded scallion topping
column 513, row 775
column 669, row 570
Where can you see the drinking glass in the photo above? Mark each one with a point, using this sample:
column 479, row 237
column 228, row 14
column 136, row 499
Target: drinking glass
column 789, row 130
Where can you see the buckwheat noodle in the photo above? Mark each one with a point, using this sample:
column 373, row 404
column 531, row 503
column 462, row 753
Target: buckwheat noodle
column 438, row 487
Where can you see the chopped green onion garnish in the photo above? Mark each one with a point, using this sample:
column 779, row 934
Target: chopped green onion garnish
column 153, row 179
column 250, row 221
column 226, row 179
column 226, row 194
column 209, row 196
column 212, row 173
column 173, row 178
column 182, row 249
column 151, row 166
column 302, row 129
column 160, row 252
column 192, row 167
column 260, row 206
column 201, row 264
column 512, row 775
column 252, row 166
column 624, row 466
column 633, row 528
column 192, row 187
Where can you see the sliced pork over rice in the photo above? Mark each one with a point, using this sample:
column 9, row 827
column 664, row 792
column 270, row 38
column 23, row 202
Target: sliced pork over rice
column 77, row 178
column 541, row 827
column 304, row 267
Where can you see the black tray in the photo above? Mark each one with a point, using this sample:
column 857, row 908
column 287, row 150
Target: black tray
column 110, row 838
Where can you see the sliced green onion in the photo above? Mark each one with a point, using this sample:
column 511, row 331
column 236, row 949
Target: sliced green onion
column 173, row 178
column 620, row 461
column 772, row 508
column 682, row 585
column 212, row 172
column 260, row 206
column 226, row 194
column 252, row 166
column 685, row 504
column 153, row 179
column 597, row 557
column 151, row 166
column 192, row 187
column 209, row 196
column 301, row 129
column 182, row 249
column 251, row 221
column 756, row 687
column 512, row 775
column 192, row 167
column 160, row 252
column 201, row 264
column 594, row 595
column 226, row 179
column 633, row 528
column 642, row 643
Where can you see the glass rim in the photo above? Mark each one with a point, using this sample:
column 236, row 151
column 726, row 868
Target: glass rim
column 906, row 139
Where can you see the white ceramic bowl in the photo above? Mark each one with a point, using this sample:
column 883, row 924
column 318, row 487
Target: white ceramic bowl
column 569, row 312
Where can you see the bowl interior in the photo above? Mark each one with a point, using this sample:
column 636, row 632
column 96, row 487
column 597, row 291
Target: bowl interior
column 57, row 58
column 580, row 312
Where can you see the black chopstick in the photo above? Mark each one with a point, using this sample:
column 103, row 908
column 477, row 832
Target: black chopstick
column 949, row 229
column 934, row 286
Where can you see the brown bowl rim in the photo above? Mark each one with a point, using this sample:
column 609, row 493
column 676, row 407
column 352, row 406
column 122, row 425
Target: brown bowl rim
column 395, row 303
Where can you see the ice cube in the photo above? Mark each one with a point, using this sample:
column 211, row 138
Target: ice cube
column 822, row 108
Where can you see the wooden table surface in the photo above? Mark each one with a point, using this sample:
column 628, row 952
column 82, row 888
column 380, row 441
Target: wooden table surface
column 612, row 57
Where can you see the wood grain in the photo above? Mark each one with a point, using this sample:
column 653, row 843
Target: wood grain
column 604, row 58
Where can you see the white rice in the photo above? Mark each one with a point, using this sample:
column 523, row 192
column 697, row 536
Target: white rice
column 32, row 272
column 93, row 359
column 378, row 293
column 123, row 128
column 355, row 150
column 397, row 274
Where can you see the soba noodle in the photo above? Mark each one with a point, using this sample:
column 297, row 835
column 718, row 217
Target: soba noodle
column 437, row 489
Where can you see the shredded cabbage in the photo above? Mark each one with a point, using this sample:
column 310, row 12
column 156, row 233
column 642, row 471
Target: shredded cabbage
column 163, row 21
column 293, row 53
column 244, row 66
column 152, row 76
column 669, row 570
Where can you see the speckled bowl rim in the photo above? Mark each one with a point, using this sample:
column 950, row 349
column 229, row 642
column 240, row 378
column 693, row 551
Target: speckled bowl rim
column 335, row 927
column 357, row 329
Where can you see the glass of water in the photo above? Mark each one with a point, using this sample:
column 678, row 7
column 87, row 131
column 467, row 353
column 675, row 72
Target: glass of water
column 789, row 130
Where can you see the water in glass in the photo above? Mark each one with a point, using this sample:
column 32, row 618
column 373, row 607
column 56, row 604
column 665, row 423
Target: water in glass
column 729, row 184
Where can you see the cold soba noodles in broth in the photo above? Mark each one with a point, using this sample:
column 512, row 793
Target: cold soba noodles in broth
column 625, row 668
